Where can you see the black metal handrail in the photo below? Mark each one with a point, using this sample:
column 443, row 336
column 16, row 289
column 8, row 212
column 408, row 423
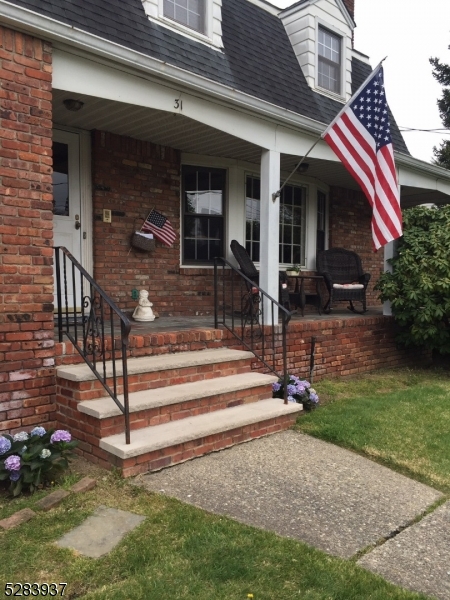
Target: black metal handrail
column 87, row 317
column 243, row 312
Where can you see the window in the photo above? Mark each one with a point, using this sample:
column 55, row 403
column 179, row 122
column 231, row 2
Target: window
column 252, row 217
column 329, row 63
column 203, row 207
column 321, row 221
column 292, row 222
column 190, row 13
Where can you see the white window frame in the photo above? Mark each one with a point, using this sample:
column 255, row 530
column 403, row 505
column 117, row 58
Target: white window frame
column 340, row 95
column 205, row 37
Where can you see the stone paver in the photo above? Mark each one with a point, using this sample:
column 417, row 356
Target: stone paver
column 299, row 487
column 52, row 500
column 21, row 516
column 100, row 532
column 419, row 557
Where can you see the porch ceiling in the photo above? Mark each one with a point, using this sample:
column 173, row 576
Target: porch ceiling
column 188, row 135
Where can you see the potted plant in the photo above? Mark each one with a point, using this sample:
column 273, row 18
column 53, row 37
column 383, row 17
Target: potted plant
column 293, row 270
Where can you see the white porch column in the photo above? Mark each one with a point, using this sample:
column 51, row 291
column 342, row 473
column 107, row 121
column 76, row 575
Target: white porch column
column 388, row 253
column 269, row 219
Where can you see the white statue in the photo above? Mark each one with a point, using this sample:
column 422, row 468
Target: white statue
column 143, row 311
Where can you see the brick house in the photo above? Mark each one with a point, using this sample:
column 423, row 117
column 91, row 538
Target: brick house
column 120, row 106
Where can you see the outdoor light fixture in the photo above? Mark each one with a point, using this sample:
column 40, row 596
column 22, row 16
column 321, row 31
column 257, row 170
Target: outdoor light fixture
column 73, row 105
column 303, row 168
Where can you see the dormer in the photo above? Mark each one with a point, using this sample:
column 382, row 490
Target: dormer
column 321, row 33
column 200, row 20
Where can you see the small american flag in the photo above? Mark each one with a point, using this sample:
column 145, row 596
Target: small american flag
column 360, row 136
column 160, row 226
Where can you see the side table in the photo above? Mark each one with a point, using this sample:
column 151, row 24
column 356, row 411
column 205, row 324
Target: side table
column 300, row 290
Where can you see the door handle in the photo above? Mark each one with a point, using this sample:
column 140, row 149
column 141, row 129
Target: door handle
column 77, row 222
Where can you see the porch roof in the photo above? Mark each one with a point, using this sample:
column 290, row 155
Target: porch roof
column 257, row 59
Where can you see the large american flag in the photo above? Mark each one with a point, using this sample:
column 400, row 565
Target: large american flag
column 360, row 135
column 160, row 226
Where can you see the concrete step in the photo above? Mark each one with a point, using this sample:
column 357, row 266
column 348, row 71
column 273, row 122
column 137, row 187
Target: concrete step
column 153, row 448
column 152, row 364
column 104, row 408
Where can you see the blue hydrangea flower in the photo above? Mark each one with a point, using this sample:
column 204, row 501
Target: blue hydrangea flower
column 291, row 399
column 45, row 453
column 22, row 436
column 276, row 387
column 5, row 444
column 14, row 476
column 291, row 389
column 12, row 463
column 24, row 449
column 40, row 431
column 60, row 435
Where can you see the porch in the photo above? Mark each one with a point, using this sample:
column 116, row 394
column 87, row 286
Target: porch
column 345, row 343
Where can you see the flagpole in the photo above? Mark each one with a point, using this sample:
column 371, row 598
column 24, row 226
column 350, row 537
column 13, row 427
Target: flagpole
column 278, row 193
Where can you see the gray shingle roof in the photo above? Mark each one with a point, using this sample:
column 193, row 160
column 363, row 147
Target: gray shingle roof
column 258, row 58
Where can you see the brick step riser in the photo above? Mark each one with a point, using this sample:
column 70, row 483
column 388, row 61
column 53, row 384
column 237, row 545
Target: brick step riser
column 158, row 459
column 149, row 345
column 90, row 429
column 91, row 390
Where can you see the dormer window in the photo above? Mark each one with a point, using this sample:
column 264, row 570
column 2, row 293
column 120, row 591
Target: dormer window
column 190, row 13
column 329, row 61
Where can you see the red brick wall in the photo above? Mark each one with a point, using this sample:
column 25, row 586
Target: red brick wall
column 350, row 217
column 344, row 346
column 130, row 178
column 27, row 384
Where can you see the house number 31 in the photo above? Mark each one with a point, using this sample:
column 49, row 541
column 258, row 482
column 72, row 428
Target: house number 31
column 178, row 103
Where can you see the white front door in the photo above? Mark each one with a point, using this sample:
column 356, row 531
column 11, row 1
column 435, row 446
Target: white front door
column 67, row 217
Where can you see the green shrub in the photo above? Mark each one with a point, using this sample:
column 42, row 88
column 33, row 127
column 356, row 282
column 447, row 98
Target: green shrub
column 419, row 286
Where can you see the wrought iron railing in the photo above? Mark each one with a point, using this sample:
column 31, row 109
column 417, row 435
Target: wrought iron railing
column 97, row 328
column 249, row 313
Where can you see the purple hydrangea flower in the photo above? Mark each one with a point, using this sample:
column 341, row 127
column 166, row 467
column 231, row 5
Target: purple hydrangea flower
column 22, row 436
column 14, row 476
column 291, row 389
column 5, row 444
column 12, row 463
column 276, row 387
column 60, row 435
column 40, row 431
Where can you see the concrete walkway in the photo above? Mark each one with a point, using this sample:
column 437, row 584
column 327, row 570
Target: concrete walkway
column 328, row 497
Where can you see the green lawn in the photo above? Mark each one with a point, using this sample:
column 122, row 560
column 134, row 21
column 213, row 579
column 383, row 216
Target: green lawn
column 401, row 418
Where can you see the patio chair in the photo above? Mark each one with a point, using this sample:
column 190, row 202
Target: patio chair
column 248, row 268
column 344, row 277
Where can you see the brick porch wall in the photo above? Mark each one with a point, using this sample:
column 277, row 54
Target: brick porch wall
column 130, row 178
column 27, row 383
column 350, row 218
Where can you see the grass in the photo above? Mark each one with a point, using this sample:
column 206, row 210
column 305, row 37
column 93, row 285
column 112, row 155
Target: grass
column 400, row 418
column 178, row 552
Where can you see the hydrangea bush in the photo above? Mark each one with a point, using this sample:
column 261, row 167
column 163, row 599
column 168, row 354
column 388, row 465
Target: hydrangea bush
column 298, row 390
column 29, row 460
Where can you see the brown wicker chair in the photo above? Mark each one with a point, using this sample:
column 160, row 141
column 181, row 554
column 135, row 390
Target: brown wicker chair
column 344, row 277
column 248, row 268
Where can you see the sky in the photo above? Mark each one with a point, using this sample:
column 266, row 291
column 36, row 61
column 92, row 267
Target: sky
column 408, row 32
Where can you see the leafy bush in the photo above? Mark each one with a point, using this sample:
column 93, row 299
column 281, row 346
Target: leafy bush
column 29, row 460
column 419, row 286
